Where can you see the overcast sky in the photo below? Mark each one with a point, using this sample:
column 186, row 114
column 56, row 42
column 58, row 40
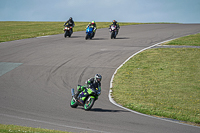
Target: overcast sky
column 180, row 11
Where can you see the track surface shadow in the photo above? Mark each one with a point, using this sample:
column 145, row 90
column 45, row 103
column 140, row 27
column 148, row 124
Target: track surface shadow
column 106, row 110
column 122, row 38
column 75, row 37
column 98, row 39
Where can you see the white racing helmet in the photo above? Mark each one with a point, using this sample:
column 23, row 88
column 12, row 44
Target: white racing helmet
column 97, row 78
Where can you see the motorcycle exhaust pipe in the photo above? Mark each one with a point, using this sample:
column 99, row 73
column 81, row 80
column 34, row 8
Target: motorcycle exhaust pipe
column 72, row 91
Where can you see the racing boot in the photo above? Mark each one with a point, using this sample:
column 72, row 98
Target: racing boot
column 79, row 89
column 76, row 95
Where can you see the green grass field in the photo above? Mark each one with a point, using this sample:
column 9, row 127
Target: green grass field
column 163, row 82
column 191, row 40
column 20, row 129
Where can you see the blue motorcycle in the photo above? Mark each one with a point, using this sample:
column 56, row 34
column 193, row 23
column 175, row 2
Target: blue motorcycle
column 89, row 32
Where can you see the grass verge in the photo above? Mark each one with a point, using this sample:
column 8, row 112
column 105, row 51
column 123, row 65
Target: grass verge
column 191, row 40
column 164, row 82
column 20, row 129
column 15, row 30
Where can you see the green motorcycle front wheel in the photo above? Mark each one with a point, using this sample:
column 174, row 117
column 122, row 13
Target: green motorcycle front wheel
column 89, row 103
column 74, row 103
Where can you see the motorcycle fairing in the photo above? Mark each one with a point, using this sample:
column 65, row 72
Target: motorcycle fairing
column 84, row 94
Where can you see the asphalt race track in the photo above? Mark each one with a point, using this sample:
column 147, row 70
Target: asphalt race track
column 37, row 74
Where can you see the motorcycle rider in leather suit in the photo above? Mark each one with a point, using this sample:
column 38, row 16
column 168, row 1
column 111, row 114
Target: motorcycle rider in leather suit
column 70, row 23
column 90, row 83
column 93, row 24
column 115, row 24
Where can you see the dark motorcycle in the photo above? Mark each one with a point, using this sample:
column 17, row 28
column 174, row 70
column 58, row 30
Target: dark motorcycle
column 68, row 31
column 113, row 31
column 86, row 98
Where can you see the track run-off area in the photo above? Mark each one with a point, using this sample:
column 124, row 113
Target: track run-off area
column 37, row 75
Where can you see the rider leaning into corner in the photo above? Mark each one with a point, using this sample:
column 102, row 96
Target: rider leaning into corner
column 70, row 23
column 93, row 24
column 114, row 23
column 91, row 83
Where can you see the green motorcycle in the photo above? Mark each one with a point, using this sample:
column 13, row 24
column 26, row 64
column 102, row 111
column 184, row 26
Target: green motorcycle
column 86, row 98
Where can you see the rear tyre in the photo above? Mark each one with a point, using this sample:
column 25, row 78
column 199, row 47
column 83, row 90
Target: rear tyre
column 70, row 33
column 86, row 37
column 89, row 103
column 92, row 35
column 65, row 35
column 115, row 34
column 74, row 103
column 112, row 35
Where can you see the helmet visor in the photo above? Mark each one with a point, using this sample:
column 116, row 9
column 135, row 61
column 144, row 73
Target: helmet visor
column 98, row 79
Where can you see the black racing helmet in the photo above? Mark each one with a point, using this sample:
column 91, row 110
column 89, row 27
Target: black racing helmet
column 97, row 78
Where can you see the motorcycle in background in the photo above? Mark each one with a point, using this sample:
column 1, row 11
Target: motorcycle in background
column 68, row 31
column 89, row 32
column 113, row 31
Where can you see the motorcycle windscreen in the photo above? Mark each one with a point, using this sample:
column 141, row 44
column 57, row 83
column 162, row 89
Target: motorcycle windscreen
column 113, row 27
column 89, row 29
